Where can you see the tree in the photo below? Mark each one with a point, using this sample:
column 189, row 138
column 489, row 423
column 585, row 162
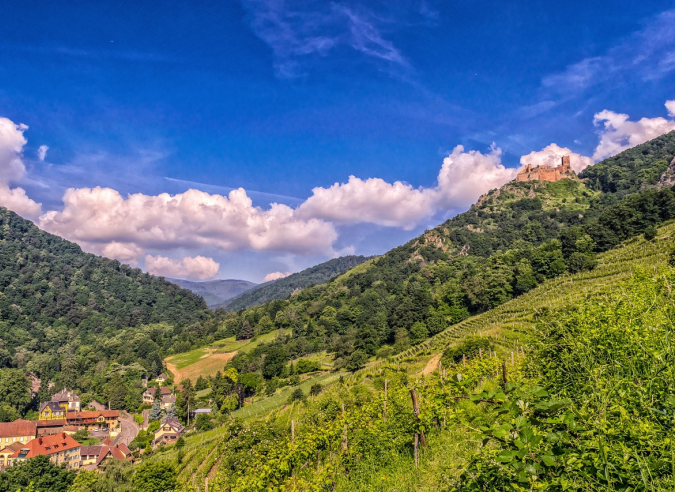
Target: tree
column 185, row 401
column 14, row 389
column 274, row 361
column 155, row 477
column 201, row 383
column 297, row 395
column 117, row 392
column 246, row 332
column 315, row 389
column 356, row 361
column 41, row 472
column 203, row 422
column 650, row 233
column 156, row 410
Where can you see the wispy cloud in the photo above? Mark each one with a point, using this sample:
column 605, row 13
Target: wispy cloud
column 648, row 53
column 295, row 35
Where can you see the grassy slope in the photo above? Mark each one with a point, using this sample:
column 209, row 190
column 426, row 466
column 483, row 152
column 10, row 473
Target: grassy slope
column 206, row 361
column 511, row 324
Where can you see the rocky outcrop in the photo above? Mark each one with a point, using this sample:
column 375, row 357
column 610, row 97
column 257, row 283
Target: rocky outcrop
column 668, row 176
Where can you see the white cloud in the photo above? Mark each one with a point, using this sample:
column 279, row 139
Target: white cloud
column 42, row 152
column 124, row 252
column 618, row 133
column 12, row 141
column 670, row 106
column 197, row 268
column 16, row 200
column 465, row 176
column 552, row 154
column 372, row 200
column 275, row 276
column 12, row 169
column 98, row 216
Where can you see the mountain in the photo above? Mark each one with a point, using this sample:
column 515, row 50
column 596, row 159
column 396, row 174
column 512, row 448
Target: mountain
column 284, row 287
column 215, row 292
column 509, row 242
column 63, row 311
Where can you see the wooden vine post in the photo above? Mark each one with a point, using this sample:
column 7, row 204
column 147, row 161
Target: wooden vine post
column 504, row 379
column 344, row 430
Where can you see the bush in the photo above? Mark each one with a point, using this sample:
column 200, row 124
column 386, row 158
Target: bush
column 356, row 361
column 305, row 365
column 297, row 395
column 650, row 233
column 315, row 389
column 470, row 347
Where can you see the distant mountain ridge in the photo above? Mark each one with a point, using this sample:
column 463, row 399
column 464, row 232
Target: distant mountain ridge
column 284, row 287
column 215, row 292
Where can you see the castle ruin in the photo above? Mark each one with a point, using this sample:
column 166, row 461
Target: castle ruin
column 544, row 172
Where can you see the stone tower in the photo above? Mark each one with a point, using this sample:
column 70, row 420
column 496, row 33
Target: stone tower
column 565, row 163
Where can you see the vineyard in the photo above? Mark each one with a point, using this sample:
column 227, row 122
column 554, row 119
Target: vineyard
column 387, row 427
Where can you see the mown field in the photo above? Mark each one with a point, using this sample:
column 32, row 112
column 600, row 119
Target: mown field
column 262, row 454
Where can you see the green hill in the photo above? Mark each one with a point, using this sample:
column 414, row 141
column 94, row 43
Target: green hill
column 215, row 292
column 284, row 287
column 63, row 311
column 593, row 351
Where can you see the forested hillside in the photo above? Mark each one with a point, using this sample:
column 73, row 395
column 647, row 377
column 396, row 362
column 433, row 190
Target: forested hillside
column 284, row 287
column 64, row 312
column 215, row 292
column 510, row 241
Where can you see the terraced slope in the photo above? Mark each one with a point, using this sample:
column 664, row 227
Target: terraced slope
column 509, row 325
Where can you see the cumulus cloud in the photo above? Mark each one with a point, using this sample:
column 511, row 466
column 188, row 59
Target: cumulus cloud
column 552, row 156
column 12, row 141
column 197, row 268
column 670, row 106
column 465, row 176
column 99, row 216
column 372, row 200
column 42, row 152
column 275, row 276
column 16, row 200
column 618, row 133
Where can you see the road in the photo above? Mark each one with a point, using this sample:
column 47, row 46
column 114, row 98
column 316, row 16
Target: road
column 128, row 430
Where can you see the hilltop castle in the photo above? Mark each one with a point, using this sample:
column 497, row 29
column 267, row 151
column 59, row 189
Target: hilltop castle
column 545, row 172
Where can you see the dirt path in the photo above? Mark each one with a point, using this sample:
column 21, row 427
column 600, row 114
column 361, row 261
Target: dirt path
column 432, row 365
column 209, row 364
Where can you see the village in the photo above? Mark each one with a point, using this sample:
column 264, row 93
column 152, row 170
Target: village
column 84, row 438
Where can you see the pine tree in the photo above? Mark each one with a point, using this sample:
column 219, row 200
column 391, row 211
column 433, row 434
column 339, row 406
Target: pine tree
column 156, row 410
column 246, row 332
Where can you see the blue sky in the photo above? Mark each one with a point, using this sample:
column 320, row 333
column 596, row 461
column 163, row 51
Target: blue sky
column 279, row 98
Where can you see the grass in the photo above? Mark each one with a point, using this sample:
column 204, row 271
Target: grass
column 206, row 361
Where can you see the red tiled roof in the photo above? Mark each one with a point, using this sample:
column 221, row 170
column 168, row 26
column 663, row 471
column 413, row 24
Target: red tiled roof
column 18, row 428
column 50, row 423
column 47, row 445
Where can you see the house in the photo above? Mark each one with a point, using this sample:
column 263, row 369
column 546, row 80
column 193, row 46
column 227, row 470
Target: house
column 94, row 419
column 169, row 430
column 97, row 406
column 61, row 449
column 200, row 411
column 18, row 431
column 68, row 399
column 164, row 391
column 161, row 379
column 52, row 410
column 168, row 401
column 48, row 427
column 6, row 453
column 148, row 397
column 92, row 456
